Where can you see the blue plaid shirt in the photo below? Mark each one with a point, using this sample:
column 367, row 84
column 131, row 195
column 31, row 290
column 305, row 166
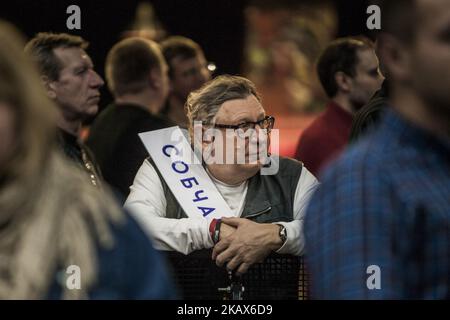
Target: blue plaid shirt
column 384, row 204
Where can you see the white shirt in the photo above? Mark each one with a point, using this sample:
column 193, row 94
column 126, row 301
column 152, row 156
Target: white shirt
column 147, row 203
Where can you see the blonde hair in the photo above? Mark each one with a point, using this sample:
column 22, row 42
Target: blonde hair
column 22, row 90
column 51, row 216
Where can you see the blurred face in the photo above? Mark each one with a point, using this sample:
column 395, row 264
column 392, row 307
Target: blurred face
column 367, row 79
column 430, row 55
column 235, row 112
column 77, row 89
column 165, row 84
column 188, row 75
column 7, row 135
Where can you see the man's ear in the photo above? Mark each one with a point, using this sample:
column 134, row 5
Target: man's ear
column 395, row 56
column 343, row 81
column 155, row 79
column 49, row 87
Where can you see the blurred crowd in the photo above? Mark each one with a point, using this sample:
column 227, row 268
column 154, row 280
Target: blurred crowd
column 369, row 188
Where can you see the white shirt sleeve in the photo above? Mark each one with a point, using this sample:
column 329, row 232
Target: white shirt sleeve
column 295, row 242
column 147, row 203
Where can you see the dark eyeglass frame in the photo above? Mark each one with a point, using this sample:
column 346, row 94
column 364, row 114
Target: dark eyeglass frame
column 244, row 124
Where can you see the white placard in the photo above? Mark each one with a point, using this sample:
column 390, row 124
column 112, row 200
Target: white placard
column 184, row 174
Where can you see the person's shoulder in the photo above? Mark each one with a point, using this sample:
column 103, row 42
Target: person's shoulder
column 316, row 134
column 130, row 234
column 316, row 125
column 289, row 167
column 148, row 176
column 148, row 167
column 130, row 243
column 123, row 113
column 151, row 122
column 109, row 111
column 102, row 121
column 136, row 269
column 287, row 163
column 367, row 117
column 368, row 156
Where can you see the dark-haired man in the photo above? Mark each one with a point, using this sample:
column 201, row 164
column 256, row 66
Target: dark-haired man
column 348, row 70
column 187, row 72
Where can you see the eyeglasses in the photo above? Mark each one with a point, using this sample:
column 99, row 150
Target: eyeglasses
column 266, row 123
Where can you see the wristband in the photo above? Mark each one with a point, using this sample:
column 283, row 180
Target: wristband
column 212, row 228
column 216, row 235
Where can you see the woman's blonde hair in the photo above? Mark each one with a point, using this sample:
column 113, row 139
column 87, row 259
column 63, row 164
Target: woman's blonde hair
column 50, row 215
column 34, row 113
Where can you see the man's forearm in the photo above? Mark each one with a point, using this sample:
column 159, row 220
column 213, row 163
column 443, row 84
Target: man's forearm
column 295, row 241
column 181, row 235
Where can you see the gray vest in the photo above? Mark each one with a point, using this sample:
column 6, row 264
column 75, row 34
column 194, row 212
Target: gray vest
column 270, row 198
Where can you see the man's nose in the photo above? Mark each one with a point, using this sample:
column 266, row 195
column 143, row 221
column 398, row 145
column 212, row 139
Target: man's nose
column 96, row 80
column 380, row 77
column 380, row 81
column 257, row 134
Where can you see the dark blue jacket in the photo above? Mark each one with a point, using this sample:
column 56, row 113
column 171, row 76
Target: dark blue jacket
column 131, row 270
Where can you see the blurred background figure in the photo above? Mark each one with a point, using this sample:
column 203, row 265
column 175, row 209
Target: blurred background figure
column 51, row 217
column 137, row 76
column 146, row 24
column 378, row 226
column 349, row 72
column 275, row 43
column 283, row 39
column 71, row 82
column 188, row 71
column 370, row 114
column 367, row 118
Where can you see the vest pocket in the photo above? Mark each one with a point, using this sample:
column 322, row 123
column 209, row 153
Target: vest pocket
column 253, row 216
column 274, row 213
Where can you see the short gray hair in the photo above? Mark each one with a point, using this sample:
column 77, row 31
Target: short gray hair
column 204, row 103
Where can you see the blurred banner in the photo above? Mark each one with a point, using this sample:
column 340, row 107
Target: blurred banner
column 283, row 41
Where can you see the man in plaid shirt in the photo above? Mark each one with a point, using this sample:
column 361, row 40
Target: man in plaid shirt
column 379, row 225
